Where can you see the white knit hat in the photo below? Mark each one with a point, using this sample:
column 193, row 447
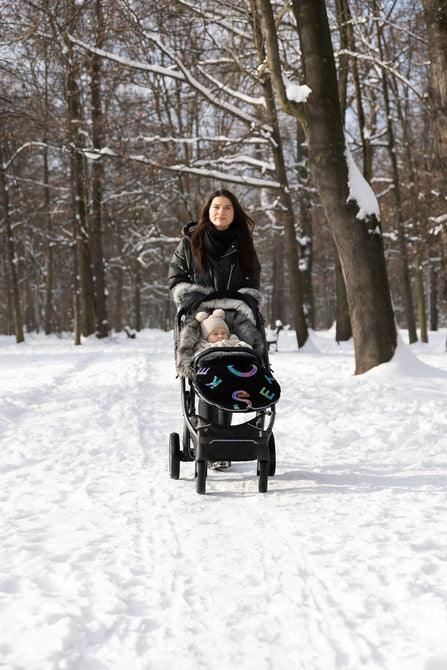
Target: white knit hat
column 210, row 323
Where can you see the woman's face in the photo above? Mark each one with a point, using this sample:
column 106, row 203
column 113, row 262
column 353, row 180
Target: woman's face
column 221, row 212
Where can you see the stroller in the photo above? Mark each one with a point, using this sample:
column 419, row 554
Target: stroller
column 210, row 392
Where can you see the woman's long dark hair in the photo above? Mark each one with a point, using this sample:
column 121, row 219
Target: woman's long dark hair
column 242, row 223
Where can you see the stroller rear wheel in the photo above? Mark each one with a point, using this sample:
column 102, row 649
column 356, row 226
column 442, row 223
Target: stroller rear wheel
column 174, row 455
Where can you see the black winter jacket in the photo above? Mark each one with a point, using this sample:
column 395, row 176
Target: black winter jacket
column 187, row 282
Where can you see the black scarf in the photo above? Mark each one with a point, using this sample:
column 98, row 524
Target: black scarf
column 217, row 241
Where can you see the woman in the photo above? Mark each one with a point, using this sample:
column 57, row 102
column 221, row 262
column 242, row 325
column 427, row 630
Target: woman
column 215, row 253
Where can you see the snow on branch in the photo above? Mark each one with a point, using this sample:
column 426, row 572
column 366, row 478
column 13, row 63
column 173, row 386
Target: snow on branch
column 273, row 64
column 239, row 159
column 184, row 75
column 296, row 92
column 206, row 93
column 439, row 219
column 215, row 18
column 163, row 238
column 439, row 224
column 207, row 173
column 124, row 194
column 235, row 94
column 223, row 176
column 35, row 182
column 360, row 191
column 221, row 139
column 8, row 163
column 132, row 64
column 380, row 64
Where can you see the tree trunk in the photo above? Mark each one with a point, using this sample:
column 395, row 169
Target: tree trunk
column 102, row 324
column 329, row 306
column 343, row 59
column 421, row 298
column 49, row 278
column 10, row 307
column 305, row 206
column 137, row 298
column 79, row 194
column 343, row 330
column 434, row 315
column 119, row 301
column 436, row 18
column 30, row 309
column 359, row 241
column 403, row 252
column 291, row 247
column 76, row 302
column 49, row 313
column 11, row 251
column 347, row 41
column 76, row 284
column 277, row 310
column 417, row 213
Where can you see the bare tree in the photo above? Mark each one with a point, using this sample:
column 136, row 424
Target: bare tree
column 291, row 248
column 10, row 244
column 102, row 322
column 358, row 239
column 436, row 20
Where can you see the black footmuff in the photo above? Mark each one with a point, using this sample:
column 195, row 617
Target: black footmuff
column 234, row 380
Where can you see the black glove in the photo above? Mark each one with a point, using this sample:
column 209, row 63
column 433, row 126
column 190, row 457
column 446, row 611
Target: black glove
column 192, row 300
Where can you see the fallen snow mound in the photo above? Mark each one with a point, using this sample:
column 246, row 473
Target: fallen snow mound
column 406, row 365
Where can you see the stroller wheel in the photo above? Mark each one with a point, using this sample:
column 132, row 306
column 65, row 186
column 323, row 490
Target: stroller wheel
column 272, row 451
column 174, row 455
column 263, row 476
column 201, row 472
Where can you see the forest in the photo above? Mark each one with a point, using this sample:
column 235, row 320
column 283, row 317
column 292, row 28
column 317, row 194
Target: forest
column 118, row 117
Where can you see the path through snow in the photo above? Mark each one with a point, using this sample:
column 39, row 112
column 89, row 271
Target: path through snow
column 107, row 564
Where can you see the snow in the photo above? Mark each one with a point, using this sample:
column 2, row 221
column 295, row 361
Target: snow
column 296, row 92
column 106, row 563
column 360, row 190
column 405, row 364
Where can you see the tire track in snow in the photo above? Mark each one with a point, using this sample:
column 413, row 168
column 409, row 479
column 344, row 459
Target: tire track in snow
column 117, row 565
column 82, row 475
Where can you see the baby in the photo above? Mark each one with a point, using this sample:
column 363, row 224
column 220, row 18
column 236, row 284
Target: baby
column 215, row 332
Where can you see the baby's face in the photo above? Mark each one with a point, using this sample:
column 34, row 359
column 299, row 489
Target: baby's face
column 217, row 335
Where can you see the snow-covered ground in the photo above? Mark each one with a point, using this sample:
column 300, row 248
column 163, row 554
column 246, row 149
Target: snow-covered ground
column 107, row 564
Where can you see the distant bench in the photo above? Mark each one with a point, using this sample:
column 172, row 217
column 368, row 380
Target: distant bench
column 272, row 340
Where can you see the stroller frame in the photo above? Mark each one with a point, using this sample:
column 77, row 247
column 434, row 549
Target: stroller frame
column 207, row 431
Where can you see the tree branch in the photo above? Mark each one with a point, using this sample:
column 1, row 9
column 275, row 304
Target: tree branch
column 296, row 109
